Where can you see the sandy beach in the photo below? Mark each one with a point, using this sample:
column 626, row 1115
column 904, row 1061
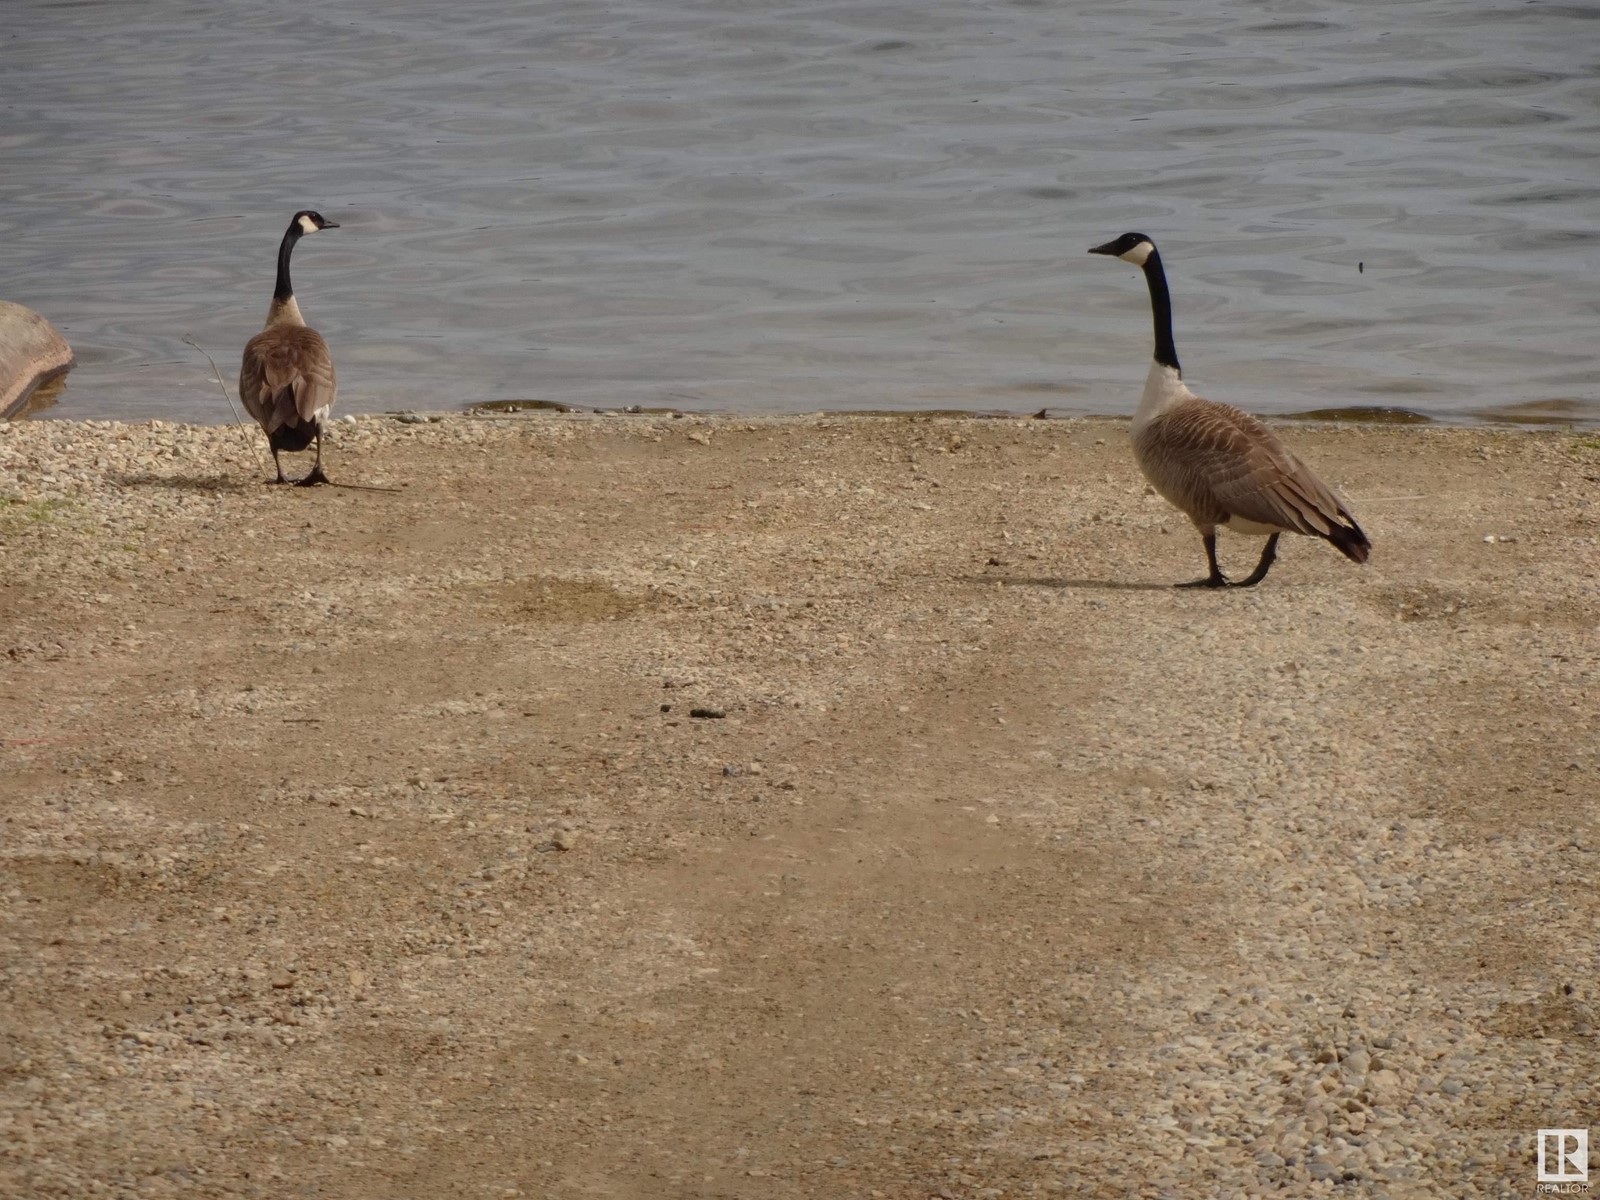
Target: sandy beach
column 638, row 807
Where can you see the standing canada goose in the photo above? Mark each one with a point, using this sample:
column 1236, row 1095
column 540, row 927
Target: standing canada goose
column 287, row 381
column 1219, row 465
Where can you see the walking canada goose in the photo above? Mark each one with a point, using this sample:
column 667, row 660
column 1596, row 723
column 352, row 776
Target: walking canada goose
column 287, row 381
column 1218, row 464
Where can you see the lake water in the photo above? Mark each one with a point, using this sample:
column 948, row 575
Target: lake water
column 774, row 205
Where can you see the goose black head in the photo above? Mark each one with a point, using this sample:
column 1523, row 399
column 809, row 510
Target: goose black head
column 305, row 221
column 1130, row 247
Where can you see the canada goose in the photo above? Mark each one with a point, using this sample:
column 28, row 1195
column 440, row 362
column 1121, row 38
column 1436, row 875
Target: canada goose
column 287, row 381
column 1219, row 465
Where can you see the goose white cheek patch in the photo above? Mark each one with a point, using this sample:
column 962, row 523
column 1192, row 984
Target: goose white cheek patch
column 307, row 225
column 1138, row 254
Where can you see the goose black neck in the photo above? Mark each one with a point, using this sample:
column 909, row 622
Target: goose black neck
column 285, row 290
column 1160, row 307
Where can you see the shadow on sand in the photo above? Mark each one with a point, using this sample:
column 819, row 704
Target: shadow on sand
column 1104, row 585
column 184, row 483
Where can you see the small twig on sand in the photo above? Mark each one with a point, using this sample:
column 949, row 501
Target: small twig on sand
column 250, row 441
column 365, row 487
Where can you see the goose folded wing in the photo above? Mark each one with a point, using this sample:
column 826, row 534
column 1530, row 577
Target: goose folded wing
column 253, row 390
column 313, row 396
column 297, row 378
column 1252, row 475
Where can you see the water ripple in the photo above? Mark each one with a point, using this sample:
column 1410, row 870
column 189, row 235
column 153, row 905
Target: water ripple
column 822, row 205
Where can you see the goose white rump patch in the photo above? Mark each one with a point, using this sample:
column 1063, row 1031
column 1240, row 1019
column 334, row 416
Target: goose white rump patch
column 1254, row 528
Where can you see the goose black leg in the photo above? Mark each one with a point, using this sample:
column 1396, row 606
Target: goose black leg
column 282, row 478
column 316, row 476
column 1268, row 554
column 1216, row 579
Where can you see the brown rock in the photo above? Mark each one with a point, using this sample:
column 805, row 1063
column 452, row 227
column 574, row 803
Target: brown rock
column 31, row 353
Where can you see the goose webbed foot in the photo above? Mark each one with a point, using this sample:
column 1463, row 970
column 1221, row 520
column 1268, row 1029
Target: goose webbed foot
column 316, row 475
column 1269, row 554
column 1216, row 579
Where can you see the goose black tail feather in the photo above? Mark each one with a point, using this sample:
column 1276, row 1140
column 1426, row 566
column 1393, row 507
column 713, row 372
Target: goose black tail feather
column 297, row 437
column 1350, row 540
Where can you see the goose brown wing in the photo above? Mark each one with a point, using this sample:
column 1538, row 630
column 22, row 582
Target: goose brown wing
column 253, row 391
column 1273, row 486
column 1231, row 465
column 287, row 377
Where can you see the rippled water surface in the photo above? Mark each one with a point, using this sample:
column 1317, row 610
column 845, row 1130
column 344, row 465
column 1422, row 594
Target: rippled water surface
column 771, row 205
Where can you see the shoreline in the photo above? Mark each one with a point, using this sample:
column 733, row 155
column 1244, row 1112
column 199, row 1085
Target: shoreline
column 1555, row 416
column 369, row 843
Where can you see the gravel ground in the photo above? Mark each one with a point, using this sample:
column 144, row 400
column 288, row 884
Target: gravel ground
column 363, row 843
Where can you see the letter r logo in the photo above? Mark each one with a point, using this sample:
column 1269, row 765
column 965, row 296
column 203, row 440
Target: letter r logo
column 1563, row 1155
